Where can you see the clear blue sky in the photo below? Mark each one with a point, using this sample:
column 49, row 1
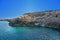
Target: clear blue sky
column 14, row 8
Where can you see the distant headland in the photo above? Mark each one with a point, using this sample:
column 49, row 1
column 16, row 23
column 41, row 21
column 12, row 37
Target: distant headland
column 49, row 18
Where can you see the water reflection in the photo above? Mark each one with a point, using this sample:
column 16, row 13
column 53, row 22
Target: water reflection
column 27, row 33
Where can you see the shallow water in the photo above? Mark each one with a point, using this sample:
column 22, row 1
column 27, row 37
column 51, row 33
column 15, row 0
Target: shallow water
column 27, row 33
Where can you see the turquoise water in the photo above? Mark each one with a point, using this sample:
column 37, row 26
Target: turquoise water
column 27, row 33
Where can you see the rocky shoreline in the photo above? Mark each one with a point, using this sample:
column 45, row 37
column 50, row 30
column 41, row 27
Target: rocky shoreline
column 49, row 18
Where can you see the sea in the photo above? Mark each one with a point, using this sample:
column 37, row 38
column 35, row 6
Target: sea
column 27, row 33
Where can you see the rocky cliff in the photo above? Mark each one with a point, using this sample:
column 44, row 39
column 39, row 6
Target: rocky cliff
column 49, row 18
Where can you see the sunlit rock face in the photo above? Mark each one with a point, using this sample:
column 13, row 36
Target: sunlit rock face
column 50, row 18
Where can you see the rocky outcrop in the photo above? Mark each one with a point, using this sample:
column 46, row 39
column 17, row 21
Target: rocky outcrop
column 50, row 18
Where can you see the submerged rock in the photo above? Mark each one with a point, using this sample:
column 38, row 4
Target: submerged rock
column 50, row 18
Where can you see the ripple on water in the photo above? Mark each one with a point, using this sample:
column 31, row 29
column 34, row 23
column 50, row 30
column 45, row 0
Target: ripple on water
column 27, row 33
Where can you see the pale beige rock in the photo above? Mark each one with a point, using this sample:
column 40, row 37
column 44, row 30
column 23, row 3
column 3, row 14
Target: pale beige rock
column 50, row 18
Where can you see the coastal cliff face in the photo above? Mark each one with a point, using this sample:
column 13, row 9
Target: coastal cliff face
column 50, row 18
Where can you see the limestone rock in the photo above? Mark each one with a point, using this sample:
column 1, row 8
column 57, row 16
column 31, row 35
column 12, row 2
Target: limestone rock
column 50, row 18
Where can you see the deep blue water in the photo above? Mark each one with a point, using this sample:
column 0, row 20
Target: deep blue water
column 27, row 33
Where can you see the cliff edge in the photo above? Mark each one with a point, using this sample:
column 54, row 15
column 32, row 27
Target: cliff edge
column 49, row 18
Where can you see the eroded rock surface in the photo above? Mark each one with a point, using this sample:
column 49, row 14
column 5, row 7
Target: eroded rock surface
column 50, row 18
